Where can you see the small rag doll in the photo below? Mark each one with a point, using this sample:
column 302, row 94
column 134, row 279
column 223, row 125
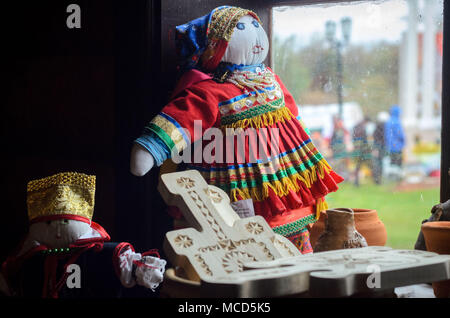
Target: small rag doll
column 226, row 87
column 61, row 234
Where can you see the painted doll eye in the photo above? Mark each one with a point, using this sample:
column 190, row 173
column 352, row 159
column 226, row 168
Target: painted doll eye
column 255, row 23
column 240, row 26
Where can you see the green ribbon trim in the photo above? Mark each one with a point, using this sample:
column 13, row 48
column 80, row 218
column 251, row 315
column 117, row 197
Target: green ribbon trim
column 252, row 183
column 252, row 112
column 161, row 134
column 294, row 227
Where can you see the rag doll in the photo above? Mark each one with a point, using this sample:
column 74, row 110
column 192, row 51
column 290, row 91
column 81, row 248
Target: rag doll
column 62, row 233
column 227, row 92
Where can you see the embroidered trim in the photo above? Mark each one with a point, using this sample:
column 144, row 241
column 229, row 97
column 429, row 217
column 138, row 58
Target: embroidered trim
column 60, row 194
column 295, row 227
column 65, row 178
column 252, row 112
column 279, row 115
column 224, row 20
column 244, row 96
column 302, row 241
column 280, row 182
column 169, row 131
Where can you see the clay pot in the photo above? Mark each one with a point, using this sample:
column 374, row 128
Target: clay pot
column 340, row 232
column 437, row 240
column 366, row 222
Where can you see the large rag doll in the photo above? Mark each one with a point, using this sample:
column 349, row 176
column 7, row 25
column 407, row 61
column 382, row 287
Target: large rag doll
column 226, row 86
column 63, row 238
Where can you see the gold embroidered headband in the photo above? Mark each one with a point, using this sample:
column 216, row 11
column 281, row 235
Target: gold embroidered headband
column 67, row 193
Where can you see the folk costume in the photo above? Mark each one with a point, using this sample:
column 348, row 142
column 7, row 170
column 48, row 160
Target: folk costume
column 62, row 233
column 225, row 86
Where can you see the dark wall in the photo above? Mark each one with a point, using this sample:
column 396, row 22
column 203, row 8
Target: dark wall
column 75, row 99
column 57, row 104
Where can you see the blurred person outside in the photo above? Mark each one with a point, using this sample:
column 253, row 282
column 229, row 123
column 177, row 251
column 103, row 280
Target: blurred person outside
column 340, row 146
column 394, row 137
column 379, row 148
column 362, row 151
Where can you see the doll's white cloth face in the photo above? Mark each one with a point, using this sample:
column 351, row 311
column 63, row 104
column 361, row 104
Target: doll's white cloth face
column 58, row 233
column 249, row 43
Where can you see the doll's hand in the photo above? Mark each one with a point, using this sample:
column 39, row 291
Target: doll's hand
column 141, row 161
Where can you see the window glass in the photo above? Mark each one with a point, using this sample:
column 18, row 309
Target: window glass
column 367, row 78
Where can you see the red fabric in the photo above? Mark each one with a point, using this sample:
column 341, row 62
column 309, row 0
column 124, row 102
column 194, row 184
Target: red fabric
column 200, row 102
column 292, row 216
column 188, row 79
column 12, row 265
column 210, row 63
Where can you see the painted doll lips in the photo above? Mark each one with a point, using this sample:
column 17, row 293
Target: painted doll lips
column 257, row 49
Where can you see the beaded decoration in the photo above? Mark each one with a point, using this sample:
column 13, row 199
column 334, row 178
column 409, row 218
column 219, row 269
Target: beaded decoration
column 257, row 82
column 57, row 250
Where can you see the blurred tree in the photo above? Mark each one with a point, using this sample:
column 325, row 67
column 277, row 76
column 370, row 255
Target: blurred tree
column 292, row 70
column 371, row 76
column 309, row 72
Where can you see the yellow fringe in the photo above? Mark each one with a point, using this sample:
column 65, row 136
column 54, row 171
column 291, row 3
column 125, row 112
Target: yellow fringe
column 282, row 187
column 263, row 120
column 321, row 205
column 255, row 194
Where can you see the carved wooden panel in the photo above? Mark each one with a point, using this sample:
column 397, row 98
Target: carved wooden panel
column 220, row 242
column 233, row 257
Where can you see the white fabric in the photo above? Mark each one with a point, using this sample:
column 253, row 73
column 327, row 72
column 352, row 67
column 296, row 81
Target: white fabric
column 415, row 291
column 91, row 233
column 141, row 161
column 126, row 267
column 248, row 46
column 151, row 273
column 59, row 233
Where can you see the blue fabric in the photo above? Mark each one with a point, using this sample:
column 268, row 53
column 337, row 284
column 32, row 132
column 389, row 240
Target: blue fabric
column 249, row 68
column 155, row 146
column 393, row 132
column 191, row 41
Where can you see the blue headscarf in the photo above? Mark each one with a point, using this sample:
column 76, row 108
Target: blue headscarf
column 191, row 41
column 202, row 42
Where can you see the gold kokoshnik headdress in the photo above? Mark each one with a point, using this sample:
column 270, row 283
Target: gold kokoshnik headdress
column 63, row 195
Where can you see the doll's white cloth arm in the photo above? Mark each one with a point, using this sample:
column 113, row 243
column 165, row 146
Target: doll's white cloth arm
column 141, row 160
column 147, row 151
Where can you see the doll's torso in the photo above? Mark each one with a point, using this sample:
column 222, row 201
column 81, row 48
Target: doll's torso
column 253, row 146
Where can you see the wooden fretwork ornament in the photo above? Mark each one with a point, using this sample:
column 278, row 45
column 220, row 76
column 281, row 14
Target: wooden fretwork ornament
column 233, row 257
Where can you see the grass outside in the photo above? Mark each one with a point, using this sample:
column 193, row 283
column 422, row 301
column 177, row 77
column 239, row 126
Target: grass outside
column 401, row 212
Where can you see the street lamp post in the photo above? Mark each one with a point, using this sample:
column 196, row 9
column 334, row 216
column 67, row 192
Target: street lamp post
column 330, row 33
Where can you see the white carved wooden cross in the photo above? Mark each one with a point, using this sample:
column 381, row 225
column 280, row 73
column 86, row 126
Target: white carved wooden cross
column 219, row 242
column 234, row 257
